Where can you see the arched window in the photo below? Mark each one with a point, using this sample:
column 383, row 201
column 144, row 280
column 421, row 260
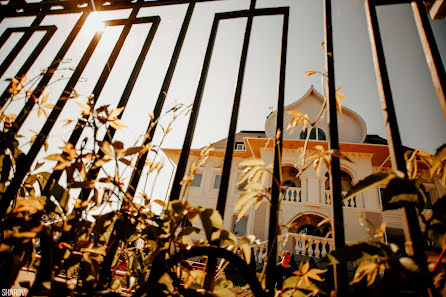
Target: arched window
column 321, row 134
column 309, row 230
column 318, row 134
column 346, row 181
column 289, row 178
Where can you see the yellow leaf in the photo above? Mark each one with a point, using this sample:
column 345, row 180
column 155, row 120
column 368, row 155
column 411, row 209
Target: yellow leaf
column 246, row 249
column 107, row 149
column 117, row 124
column 29, row 93
column 339, row 98
column 115, row 113
column 252, row 162
column 85, row 108
column 62, row 165
column 368, row 269
column 314, row 274
column 29, row 205
column 310, row 73
column 44, row 98
column 55, row 157
column 160, row 202
column 70, row 150
column 305, row 267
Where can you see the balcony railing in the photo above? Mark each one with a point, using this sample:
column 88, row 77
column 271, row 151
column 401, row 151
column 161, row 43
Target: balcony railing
column 292, row 194
column 304, row 245
column 351, row 202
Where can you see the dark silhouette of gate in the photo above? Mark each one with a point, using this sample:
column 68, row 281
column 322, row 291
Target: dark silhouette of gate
column 17, row 8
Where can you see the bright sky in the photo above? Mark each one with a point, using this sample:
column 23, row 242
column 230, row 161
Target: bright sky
column 420, row 119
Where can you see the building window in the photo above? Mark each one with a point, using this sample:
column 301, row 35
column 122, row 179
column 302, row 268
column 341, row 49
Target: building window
column 381, row 192
column 346, row 181
column 240, row 146
column 196, row 182
column 239, row 227
column 318, row 134
column 217, row 181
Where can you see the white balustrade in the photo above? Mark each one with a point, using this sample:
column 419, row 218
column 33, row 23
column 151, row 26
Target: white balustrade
column 305, row 245
column 292, row 194
column 327, row 197
column 351, row 202
column 260, row 251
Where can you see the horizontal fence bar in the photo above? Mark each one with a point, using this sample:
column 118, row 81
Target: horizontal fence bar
column 29, row 9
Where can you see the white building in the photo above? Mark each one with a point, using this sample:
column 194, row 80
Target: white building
column 306, row 201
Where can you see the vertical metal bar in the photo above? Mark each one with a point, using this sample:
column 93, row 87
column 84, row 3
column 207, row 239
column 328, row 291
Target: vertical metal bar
column 136, row 174
column 50, row 30
column 223, row 191
column 273, row 230
column 414, row 237
column 93, row 173
column 50, row 72
column 431, row 52
column 24, row 164
column 19, row 46
column 184, row 156
column 340, row 270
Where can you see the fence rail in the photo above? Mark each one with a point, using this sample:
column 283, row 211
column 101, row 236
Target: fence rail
column 307, row 245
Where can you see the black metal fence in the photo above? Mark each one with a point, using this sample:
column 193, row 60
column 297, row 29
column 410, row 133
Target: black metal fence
column 16, row 8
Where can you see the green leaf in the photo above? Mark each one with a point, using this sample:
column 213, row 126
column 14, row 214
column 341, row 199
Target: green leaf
column 369, row 182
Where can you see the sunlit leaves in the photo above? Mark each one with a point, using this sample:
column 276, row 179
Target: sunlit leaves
column 339, row 98
column 320, row 157
column 367, row 270
column 17, row 85
column 296, row 119
column 31, row 205
column 308, row 275
column 42, row 105
column 368, row 182
column 438, row 166
column 303, row 281
column 254, row 178
column 310, row 73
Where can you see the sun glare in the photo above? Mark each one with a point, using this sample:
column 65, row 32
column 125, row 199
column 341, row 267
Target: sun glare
column 95, row 22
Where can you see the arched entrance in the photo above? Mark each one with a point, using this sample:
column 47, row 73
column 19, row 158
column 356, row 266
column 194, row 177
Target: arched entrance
column 310, row 223
column 311, row 234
